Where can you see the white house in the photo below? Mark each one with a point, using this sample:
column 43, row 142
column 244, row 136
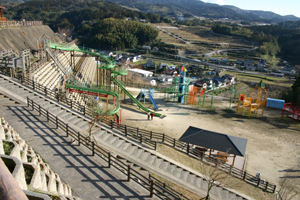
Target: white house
column 146, row 47
column 162, row 65
column 140, row 72
column 136, row 58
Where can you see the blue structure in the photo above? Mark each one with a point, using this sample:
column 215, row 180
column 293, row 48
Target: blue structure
column 181, row 89
column 144, row 93
column 275, row 103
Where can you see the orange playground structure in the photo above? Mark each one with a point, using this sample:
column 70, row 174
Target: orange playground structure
column 193, row 95
column 257, row 100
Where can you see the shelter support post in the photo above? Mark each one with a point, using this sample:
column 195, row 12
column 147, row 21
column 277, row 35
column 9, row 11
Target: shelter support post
column 233, row 160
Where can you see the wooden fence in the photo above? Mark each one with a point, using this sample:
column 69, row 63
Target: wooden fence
column 151, row 139
column 149, row 183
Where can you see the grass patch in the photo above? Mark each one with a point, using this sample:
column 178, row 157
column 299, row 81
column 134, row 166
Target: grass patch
column 8, row 147
column 28, row 173
column 230, row 181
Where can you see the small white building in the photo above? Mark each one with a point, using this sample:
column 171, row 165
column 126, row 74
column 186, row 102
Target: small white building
column 146, row 47
column 163, row 65
column 140, row 72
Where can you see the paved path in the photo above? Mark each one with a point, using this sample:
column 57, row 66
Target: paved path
column 88, row 176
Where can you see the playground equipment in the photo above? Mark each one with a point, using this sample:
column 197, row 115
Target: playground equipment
column 150, row 93
column 180, row 90
column 193, row 95
column 107, row 72
column 253, row 103
column 293, row 111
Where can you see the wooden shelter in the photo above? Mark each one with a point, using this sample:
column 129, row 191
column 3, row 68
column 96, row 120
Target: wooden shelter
column 227, row 144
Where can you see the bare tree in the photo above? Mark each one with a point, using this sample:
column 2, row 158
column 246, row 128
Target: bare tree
column 99, row 111
column 213, row 175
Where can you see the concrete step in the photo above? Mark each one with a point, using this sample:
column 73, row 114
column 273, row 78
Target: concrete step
column 150, row 159
column 157, row 162
column 145, row 155
column 191, row 179
column 177, row 172
column 164, row 165
column 74, row 120
column 184, row 175
column 171, row 168
column 66, row 115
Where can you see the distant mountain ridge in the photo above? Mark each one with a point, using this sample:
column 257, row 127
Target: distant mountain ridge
column 208, row 10
column 265, row 14
column 199, row 8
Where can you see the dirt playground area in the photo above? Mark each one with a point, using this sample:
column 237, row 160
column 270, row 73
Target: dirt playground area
column 273, row 144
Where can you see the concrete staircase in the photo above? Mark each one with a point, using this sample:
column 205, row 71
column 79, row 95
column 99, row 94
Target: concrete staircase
column 27, row 167
column 125, row 148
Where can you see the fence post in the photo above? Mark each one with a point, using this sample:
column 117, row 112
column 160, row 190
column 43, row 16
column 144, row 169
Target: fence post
column 45, row 91
column 33, row 85
column 174, row 143
column 137, row 130
column 150, row 135
column 126, row 130
column 141, row 139
column 71, row 104
column 258, row 182
column 155, row 147
column 244, row 176
column 151, row 188
column 111, row 124
column 78, row 138
column 27, row 101
column 47, row 116
column 128, row 172
column 163, row 138
column 266, row 187
column 230, row 169
column 39, row 110
column 56, row 121
column 109, row 159
column 83, row 110
column 274, row 188
column 67, row 130
column 93, row 148
column 187, row 148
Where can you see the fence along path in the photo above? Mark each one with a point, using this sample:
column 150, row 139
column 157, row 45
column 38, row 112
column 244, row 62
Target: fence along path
column 161, row 190
column 133, row 173
column 166, row 166
column 151, row 139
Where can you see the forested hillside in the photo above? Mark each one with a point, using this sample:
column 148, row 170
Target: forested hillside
column 84, row 18
column 116, row 33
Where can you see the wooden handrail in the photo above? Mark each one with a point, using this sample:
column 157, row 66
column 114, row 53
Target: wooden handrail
column 9, row 188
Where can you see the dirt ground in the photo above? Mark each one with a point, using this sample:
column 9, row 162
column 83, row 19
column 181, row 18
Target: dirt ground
column 273, row 144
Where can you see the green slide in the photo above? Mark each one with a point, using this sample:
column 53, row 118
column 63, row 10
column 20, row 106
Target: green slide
column 133, row 99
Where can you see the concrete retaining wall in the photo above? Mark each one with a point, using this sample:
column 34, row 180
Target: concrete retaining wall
column 21, row 38
column 43, row 179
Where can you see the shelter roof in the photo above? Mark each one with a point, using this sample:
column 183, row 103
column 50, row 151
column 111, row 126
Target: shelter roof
column 214, row 140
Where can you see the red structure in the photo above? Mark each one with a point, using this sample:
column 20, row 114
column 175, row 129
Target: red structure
column 293, row 111
column 2, row 19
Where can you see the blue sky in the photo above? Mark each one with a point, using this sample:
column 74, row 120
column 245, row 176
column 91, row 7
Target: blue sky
column 287, row 7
